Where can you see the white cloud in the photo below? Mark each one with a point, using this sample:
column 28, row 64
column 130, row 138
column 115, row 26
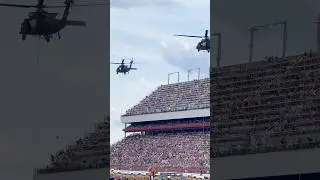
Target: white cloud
column 127, row 4
column 185, row 57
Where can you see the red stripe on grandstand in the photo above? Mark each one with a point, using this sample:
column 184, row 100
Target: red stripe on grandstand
column 164, row 127
column 178, row 170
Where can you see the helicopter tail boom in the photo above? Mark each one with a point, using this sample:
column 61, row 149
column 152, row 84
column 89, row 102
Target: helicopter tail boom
column 75, row 23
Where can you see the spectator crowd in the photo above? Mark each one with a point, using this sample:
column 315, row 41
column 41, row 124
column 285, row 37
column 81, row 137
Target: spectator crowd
column 182, row 150
column 182, row 96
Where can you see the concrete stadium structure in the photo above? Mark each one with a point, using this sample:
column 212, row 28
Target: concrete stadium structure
column 265, row 119
column 96, row 174
column 86, row 159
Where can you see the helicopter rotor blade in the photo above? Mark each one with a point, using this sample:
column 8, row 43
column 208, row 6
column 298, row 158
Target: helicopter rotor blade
column 188, row 36
column 127, row 63
column 18, row 5
column 86, row 5
column 78, row 5
column 40, row 5
column 138, row 62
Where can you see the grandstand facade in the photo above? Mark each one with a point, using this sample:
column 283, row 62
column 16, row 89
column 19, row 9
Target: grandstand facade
column 170, row 130
column 83, row 160
column 265, row 119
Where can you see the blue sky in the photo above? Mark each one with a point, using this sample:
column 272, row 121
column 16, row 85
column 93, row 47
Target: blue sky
column 143, row 30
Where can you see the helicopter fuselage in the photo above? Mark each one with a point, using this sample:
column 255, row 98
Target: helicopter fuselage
column 48, row 26
column 204, row 45
column 124, row 69
column 44, row 24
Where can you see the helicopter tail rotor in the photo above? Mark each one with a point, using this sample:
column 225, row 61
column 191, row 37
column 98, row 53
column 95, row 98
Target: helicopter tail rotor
column 206, row 34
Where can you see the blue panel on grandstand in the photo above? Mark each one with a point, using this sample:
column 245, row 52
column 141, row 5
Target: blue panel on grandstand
column 173, row 121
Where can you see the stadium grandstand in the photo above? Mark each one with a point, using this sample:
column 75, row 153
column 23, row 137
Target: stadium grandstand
column 169, row 130
column 86, row 159
column 265, row 119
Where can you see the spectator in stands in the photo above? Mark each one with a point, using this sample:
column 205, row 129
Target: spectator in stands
column 182, row 150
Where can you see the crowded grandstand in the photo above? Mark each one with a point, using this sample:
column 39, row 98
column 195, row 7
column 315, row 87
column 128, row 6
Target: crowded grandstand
column 169, row 130
column 265, row 108
column 87, row 153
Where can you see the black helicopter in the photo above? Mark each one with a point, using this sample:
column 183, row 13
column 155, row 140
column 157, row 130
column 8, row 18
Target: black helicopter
column 123, row 68
column 44, row 24
column 204, row 44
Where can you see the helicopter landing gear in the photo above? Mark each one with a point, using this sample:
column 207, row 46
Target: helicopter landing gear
column 55, row 36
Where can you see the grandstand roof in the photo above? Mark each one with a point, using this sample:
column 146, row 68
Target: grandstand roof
column 190, row 95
